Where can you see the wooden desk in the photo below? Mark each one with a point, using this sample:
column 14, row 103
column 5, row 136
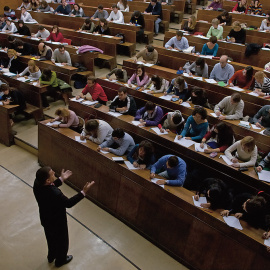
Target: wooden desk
column 179, row 228
column 6, row 136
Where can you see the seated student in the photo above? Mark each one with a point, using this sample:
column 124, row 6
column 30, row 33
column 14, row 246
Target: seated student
column 262, row 84
column 232, row 106
column 225, row 18
column 2, row 22
column 142, row 155
column 13, row 97
column 34, row 5
column 32, row 69
column 198, row 68
column 149, row 55
column 64, row 8
column 216, row 5
column 61, row 55
column 88, row 26
column 122, row 5
column 243, row 78
column 222, row 71
column 24, row 48
column 44, row 7
column 140, row 77
column 9, row 13
column 23, row 29
column 198, row 97
column 246, row 150
column 216, row 192
column 97, row 131
column 116, row 15
column 265, row 25
column 68, row 118
column 44, row 52
column 120, row 75
column 102, row 28
column 10, row 27
column 262, row 117
column 196, row 125
column 48, row 78
column 13, row 64
column 172, row 168
column 26, row 16
column 211, row 47
column 173, row 121
column 123, row 103
column 190, row 24
column 42, row 33
column 264, row 163
column 138, row 19
column 149, row 115
column 220, row 137
column 55, row 35
column 77, row 11
column 26, row 4
column 121, row 143
column 157, row 85
column 240, row 7
column 11, row 43
column 100, row 14
column 215, row 30
column 255, row 8
column 250, row 208
column 155, row 8
column 96, row 92
column 237, row 34
column 180, row 89
column 178, row 42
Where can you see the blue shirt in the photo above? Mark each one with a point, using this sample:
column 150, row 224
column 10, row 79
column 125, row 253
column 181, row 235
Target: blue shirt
column 61, row 9
column 207, row 51
column 177, row 174
column 195, row 131
column 179, row 44
column 222, row 74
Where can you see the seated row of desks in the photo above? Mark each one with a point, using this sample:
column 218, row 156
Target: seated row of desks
column 173, row 60
column 255, row 102
column 234, row 50
column 240, row 132
column 86, row 59
column 178, row 227
column 250, row 20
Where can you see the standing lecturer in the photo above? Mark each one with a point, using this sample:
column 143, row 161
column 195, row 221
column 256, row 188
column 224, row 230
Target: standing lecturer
column 52, row 210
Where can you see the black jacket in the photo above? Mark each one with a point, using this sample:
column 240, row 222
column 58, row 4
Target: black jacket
column 106, row 32
column 24, row 31
column 16, row 98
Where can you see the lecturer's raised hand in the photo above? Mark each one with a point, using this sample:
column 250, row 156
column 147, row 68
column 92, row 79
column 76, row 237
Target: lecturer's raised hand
column 87, row 186
column 65, row 174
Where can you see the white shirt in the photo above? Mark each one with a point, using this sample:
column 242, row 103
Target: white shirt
column 11, row 28
column 117, row 18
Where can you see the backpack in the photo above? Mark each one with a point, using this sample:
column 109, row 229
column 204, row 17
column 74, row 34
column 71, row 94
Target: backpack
column 252, row 48
column 121, row 35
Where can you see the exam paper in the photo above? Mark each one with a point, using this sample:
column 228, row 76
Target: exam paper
column 255, row 127
column 104, row 152
column 89, row 102
column 130, row 166
column 214, row 115
column 115, row 114
column 233, row 222
column 167, row 97
column 198, row 203
column 185, row 104
column 253, row 94
column 53, row 123
column 226, row 159
column 117, row 159
column 183, row 141
column 267, row 242
column 264, row 175
column 59, row 64
column 210, row 81
column 198, row 147
column 157, row 130
column 135, row 123
column 236, row 88
column 77, row 100
column 78, row 139
column 22, row 79
column 154, row 180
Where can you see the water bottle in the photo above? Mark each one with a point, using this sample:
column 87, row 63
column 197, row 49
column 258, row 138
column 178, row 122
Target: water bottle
column 136, row 23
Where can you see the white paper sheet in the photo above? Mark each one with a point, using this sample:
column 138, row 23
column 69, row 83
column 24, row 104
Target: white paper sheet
column 22, row 79
column 59, row 64
column 115, row 114
column 117, row 159
column 167, row 97
column 187, row 75
column 198, row 78
column 255, row 127
column 1, row 103
column 130, row 166
column 244, row 123
column 89, row 102
column 185, row 104
column 77, row 100
column 132, row 85
column 183, row 141
column 146, row 91
column 104, row 152
column 233, row 222
column 264, row 175
column 135, row 123
column 35, row 83
column 227, row 161
column 154, row 180
column 157, row 130
column 78, row 139
column 198, row 203
column 110, row 80
column 53, row 123
column 148, row 65
column 214, row 115
column 198, row 147
column 261, row 132
column 210, row 81
column 236, row 88
column 253, row 94
column 267, row 242
column 9, row 74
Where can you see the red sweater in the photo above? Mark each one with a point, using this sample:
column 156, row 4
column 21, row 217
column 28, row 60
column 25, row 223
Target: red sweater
column 241, row 80
column 212, row 134
column 55, row 37
column 96, row 91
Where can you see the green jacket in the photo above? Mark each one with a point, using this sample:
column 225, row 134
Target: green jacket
column 52, row 82
column 217, row 32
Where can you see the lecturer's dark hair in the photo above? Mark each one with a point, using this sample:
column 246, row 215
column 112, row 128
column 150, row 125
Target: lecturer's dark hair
column 42, row 175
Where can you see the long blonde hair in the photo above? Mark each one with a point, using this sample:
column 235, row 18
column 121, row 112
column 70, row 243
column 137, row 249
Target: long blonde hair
column 32, row 66
column 193, row 22
column 13, row 52
column 63, row 112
